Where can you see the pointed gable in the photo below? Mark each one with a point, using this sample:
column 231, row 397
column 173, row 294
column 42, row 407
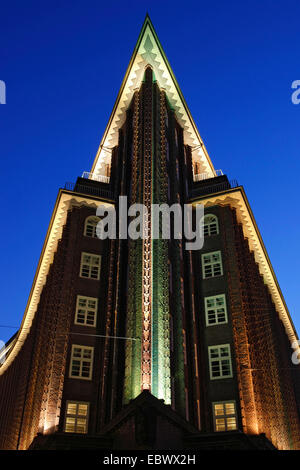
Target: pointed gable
column 148, row 51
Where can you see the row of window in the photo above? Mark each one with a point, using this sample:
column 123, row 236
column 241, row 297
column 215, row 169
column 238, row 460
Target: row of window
column 81, row 364
column 211, row 226
column 87, row 307
column 220, row 365
column 77, row 415
column 215, row 306
column 212, row 266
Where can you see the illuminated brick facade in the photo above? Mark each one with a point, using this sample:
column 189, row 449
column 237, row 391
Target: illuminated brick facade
column 140, row 344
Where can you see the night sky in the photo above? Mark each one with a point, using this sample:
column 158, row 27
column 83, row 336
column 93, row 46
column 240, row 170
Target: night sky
column 63, row 63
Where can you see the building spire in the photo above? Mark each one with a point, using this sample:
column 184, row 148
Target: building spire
column 148, row 51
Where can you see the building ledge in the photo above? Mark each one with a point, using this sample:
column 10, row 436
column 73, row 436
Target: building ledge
column 90, row 187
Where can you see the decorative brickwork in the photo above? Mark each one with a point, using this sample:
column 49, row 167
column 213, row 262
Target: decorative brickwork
column 150, row 341
column 263, row 356
column 34, row 383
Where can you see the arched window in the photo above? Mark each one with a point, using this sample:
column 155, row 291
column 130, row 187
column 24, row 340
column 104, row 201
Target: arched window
column 211, row 225
column 90, row 226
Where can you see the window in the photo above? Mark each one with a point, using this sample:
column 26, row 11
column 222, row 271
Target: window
column 196, row 168
column 90, row 226
column 211, row 225
column 215, row 310
column 107, row 169
column 212, row 264
column 81, row 362
column 90, row 266
column 224, row 416
column 176, row 137
column 77, row 417
column 166, row 119
column 86, row 311
column 219, row 361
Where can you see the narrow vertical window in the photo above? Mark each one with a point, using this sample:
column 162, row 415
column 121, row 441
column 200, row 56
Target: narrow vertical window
column 107, row 170
column 196, row 168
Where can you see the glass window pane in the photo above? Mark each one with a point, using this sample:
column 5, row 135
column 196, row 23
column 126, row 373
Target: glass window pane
column 82, row 409
column 220, row 424
column 71, row 408
column 219, row 409
column 230, row 408
column 231, row 423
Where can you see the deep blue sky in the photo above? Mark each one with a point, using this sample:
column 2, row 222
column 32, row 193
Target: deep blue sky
column 63, row 63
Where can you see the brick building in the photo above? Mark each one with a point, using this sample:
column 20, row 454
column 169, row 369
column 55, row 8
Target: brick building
column 142, row 344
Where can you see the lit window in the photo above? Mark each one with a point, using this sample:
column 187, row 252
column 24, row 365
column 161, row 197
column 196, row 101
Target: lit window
column 81, row 362
column 225, row 416
column 220, row 361
column 211, row 225
column 90, row 266
column 77, row 417
column 196, row 168
column 86, row 311
column 212, row 264
column 90, row 226
column 107, row 169
column 215, row 310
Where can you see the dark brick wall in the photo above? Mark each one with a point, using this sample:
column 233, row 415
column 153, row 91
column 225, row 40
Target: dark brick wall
column 269, row 364
column 265, row 381
column 35, row 387
column 219, row 389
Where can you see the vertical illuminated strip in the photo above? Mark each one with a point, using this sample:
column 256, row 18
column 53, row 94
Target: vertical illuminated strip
column 164, row 370
column 160, row 350
column 147, row 271
column 146, row 293
column 132, row 382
